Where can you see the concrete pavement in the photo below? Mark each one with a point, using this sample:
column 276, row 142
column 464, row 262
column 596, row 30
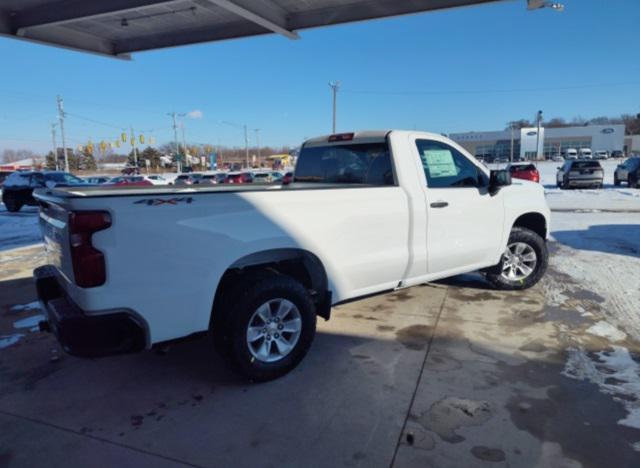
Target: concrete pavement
column 449, row 374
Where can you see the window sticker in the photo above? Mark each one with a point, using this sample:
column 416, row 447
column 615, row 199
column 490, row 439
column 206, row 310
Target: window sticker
column 439, row 162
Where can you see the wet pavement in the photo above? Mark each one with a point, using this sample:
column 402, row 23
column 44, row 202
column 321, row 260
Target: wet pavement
column 446, row 375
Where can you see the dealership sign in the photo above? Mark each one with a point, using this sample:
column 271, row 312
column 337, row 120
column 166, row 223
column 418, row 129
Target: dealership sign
column 608, row 130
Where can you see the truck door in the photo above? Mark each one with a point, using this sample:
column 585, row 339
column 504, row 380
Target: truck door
column 464, row 222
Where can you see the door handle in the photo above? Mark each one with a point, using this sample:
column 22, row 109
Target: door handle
column 439, row 204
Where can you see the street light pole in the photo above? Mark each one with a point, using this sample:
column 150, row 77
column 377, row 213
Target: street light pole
column 175, row 141
column 334, row 85
column 246, row 146
column 511, row 154
column 538, row 119
column 257, row 130
column 55, row 147
column 64, row 141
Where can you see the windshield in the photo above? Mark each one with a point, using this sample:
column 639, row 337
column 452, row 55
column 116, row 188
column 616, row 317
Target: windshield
column 64, row 177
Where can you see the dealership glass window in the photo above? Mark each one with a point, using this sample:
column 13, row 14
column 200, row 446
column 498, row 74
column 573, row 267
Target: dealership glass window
column 446, row 167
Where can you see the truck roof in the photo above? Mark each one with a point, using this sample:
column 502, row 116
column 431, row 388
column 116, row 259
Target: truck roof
column 362, row 136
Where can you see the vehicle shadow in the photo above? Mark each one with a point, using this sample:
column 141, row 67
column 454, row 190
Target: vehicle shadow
column 621, row 239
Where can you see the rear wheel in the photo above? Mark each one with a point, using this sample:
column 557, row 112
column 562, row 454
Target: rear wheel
column 524, row 262
column 271, row 324
column 12, row 205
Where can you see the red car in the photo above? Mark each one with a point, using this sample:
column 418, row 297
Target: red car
column 129, row 181
column 524, row 171
column 239, row 178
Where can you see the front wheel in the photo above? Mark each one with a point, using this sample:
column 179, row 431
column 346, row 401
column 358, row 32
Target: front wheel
column 272, row 324
column 616, row 181
column 524, row 262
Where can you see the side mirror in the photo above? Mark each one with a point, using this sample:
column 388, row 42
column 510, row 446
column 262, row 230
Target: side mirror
column 497, row 179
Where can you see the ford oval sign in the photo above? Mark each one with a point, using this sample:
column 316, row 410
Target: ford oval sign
column 531, row 133
column 608, row 130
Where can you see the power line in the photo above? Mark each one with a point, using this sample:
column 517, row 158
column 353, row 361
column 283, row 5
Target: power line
column 491, row 91
column 95, row 121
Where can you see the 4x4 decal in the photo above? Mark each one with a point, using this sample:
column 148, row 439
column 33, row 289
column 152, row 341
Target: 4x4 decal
column 163, row 201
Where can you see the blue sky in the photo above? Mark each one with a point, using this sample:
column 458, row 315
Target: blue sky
column 472, row 68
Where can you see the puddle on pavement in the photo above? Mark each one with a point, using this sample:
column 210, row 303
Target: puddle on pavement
column 414, row 337
column 446, row 416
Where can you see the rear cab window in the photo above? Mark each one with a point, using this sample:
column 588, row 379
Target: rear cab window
column 18, row 179
column 346, row 163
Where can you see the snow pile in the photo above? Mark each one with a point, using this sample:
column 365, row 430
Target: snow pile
column 19, row 229
column 35, row 305
column 614, row 372
column 30, row 322
column 6, row 341
column 606, row 330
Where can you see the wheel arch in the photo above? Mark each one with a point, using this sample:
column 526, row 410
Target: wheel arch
column 534, row 221
column 300, row 264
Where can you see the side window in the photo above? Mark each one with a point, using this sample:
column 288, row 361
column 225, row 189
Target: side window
column 37, row 180
column 444, row 166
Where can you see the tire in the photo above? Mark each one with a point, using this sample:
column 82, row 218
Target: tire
column 12, row 205
column 498, row 275
column 565, row 185
column 245, row 309
column 633, row 180
column 616, row 181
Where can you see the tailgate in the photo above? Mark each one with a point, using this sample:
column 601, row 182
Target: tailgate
column 54, row 219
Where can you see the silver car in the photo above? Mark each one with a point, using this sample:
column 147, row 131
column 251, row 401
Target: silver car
column 580, row 173
column 628, row 171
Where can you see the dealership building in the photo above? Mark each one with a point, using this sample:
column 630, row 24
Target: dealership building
column 550, row 142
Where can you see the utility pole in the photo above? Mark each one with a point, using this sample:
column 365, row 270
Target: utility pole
column 511, row 154
column 135, row 149
column 538, row 119
column 55, row 147
column 257, row 130
column 184, row 144
column 175, row 140
column 246, row 146
column 64, row 141
column 334, row 85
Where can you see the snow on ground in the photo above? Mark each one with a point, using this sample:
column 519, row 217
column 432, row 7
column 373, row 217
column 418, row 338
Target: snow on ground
column 19, row 229
column 6, row 341
column 601, row 252
column 29, row 322
column 615, row 372
column 35, row 305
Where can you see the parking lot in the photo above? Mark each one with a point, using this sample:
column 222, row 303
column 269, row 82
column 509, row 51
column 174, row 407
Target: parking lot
column 446, row 374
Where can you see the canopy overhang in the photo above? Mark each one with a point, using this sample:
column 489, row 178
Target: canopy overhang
column 119, row 27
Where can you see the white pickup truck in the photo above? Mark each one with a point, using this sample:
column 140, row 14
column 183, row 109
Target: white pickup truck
column 366, row 212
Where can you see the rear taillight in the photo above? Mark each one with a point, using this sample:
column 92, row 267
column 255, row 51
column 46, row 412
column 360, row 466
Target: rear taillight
column 88, row 262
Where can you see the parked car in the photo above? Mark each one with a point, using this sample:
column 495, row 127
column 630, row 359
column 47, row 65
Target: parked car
column 267, row 177
column 283, row 256
column 287, row 178
column 97, row 180
column 239, row 178
column 156, row 179
column 580, row 173
column 17, row 190
column 136, row 181
column 188, row 179
column 629, row 172
column 501, row 160
column 585, row 153
column 213, row 179
column 571, row 153
column 601, row 154
column 524, row 171
column 557, row 158
column 617, row 154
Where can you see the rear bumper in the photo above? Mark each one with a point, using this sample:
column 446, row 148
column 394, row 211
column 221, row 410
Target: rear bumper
column 86, row 335
column 585, row 182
